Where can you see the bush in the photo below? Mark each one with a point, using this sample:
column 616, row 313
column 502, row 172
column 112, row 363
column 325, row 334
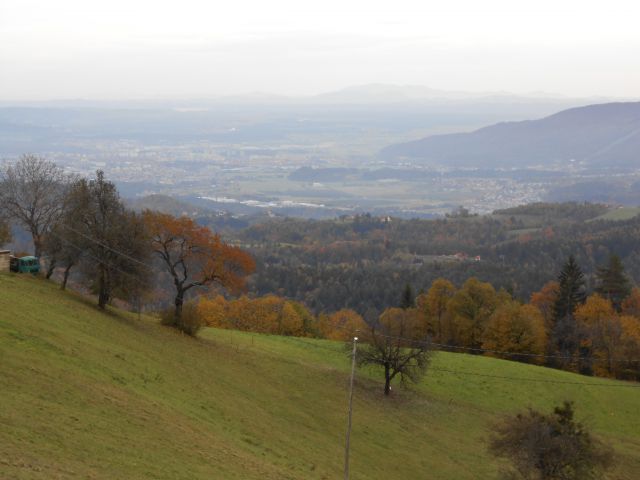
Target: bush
column 191, row 321
column 550, row 447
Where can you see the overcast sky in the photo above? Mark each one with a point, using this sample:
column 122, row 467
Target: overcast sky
column 115, row 49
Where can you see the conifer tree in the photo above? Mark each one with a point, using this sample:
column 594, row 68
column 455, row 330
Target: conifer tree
column 612, row 282
column 408, row 298
column 571, row 292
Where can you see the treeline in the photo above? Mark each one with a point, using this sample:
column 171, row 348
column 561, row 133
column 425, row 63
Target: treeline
column 560, row 326
column 355, row 262
column 556, row 212
column 275, row 315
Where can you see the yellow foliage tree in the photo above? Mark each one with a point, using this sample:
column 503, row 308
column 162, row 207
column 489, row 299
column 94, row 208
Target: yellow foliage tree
column 628, row 357
column 516, row 328
column 268, row 314
column 289, row 322
column 631, row 304
column 595, row 309
column 470, row 309
column 604, row 332
column 214, row 311
column 545, row 301
column 341, row 325
column 433, row 308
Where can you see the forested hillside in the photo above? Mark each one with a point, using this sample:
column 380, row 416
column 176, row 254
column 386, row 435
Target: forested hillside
column 363, row 262
column 605, row 135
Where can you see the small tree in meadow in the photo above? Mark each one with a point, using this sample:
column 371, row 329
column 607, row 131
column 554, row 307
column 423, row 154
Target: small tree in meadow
column 550, row 447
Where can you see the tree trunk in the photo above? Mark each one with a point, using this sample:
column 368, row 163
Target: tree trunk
column 51, row 267
column 37, row 245
column 387, row 379
column 66, row 277
column 177, row 316
column 103, row 293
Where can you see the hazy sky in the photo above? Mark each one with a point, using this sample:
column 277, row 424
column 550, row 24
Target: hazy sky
column 187, row 48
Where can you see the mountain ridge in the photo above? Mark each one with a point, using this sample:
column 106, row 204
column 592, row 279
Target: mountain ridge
column 599, row 135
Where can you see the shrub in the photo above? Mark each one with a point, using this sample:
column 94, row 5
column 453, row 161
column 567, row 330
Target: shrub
column 190, row 322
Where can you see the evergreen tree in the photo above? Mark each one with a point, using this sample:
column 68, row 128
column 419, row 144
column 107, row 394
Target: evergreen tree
column 408, row 299
column 612, row 282
column 572, row 291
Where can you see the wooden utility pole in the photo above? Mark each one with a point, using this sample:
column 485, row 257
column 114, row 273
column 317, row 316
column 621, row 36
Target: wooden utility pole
column 346, row 447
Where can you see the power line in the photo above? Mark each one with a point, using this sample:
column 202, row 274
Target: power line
column 122, row 254
column 536, row 380
column 443, row 346
column 413, row 341
column 85, row 252
column 487, row 375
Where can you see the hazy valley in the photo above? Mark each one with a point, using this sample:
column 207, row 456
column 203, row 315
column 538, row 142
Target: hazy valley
column 334, row 154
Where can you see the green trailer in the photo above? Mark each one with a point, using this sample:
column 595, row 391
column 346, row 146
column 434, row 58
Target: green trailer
column 24, row 264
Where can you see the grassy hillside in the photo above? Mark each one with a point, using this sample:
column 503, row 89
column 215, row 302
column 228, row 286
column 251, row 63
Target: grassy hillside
column 91, row 395
column 619, row 214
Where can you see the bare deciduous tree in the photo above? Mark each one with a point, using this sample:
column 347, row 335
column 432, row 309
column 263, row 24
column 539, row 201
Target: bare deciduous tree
column 5, row 231
column 32, row 193
column 398, row 344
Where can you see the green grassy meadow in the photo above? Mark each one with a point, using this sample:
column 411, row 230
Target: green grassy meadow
column 620, row 213
column 85, row 394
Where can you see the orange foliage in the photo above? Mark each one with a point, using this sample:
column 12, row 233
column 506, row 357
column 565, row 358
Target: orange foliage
column 629, row 349
column 631, row 304
column 194, row 256
column 594, row 310
column 213, row 311
column 268, row 314
column 605, row 332
column 341, row 325
column 545, row 300
column 516, row 328
column 433, row 307
column 400, row 324
column 470, row 309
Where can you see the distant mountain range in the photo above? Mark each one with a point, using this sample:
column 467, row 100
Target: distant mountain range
column 604, row 135
column 388, row 93
column 367, row 94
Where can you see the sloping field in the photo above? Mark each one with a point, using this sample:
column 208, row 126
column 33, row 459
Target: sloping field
column 84, row 394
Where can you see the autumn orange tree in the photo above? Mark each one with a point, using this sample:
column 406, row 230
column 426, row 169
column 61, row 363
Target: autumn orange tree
column 470, row 308
column 433, row 306
column 631, row 304
column 516, row 328
column 195, row 257
column 268, row 314
column 545, row 301
column 341, row 325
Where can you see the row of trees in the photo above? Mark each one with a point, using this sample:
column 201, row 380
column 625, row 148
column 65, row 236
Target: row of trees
column 561, row 326
column 276, row 315
column 79, row 223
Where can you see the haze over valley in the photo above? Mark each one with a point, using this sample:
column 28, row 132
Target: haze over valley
column 337, row 153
